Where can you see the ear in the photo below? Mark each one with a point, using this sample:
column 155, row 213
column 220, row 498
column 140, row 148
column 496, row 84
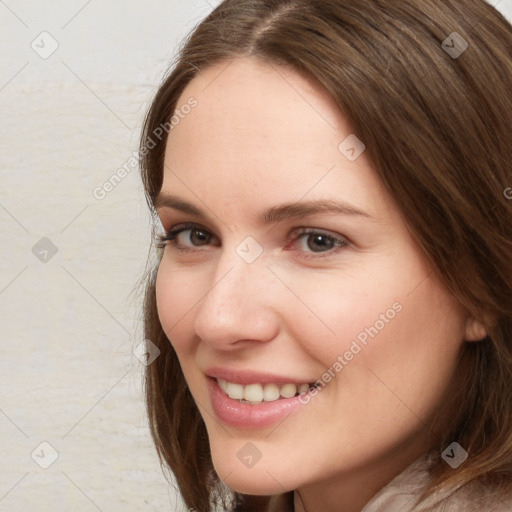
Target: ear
column 475, row 330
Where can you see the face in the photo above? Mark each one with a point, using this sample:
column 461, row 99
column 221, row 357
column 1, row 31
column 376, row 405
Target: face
column 261, row 301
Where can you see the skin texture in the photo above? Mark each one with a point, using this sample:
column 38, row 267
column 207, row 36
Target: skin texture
column 260, row 136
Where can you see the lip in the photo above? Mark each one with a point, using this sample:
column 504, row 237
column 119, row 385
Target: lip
column 245, row 416
column 252, row 377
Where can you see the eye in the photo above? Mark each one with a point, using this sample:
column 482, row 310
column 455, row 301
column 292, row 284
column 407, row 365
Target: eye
column 197, row 236
column 313, row 243
column 316, row 243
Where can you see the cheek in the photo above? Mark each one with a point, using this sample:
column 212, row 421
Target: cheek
column 397, row 363
column 344, row 311
column 390, row 303
column 419, row 353
column 176, row 293
column 388, row 339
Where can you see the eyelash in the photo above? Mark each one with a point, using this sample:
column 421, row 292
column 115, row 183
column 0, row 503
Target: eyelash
column 169, row 239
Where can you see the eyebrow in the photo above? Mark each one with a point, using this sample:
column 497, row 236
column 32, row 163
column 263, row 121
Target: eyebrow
column 275, row 213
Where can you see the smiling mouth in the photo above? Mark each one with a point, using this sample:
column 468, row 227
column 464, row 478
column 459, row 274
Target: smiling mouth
column 257, row 394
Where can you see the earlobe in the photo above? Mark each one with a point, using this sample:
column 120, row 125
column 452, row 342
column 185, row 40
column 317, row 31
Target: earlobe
column 475, row 330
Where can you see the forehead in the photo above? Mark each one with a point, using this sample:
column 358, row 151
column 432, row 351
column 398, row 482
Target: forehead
column 250, row 100
column 263, row 131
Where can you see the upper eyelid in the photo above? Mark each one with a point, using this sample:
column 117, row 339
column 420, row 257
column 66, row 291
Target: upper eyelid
column 192, row 225
column 185, row 226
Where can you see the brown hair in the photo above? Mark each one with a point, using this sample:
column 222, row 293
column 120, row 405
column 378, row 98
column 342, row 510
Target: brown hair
column 438, row 130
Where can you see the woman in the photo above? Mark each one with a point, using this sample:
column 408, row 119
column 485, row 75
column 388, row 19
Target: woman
column 333, row 301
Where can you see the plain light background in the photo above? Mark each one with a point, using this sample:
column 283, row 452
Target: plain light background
column 68, row 375
column 70, row 312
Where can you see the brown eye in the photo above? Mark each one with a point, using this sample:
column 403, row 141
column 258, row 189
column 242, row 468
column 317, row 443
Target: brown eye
column 314, row 241
column 186, row 237
column 198, row 236
column 320, row 243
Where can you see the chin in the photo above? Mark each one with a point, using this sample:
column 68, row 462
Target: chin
column 253, row 484
column 255, row 481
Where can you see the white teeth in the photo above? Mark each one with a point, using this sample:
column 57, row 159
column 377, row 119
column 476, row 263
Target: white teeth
column 235, row 391
column 223, row 385
column 303, row 388
column 256, row 394
column 271, row 392
column 253, row 393
column 288, row 390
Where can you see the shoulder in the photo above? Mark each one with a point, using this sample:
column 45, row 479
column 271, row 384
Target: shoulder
column 403, row 493
column 471, row 497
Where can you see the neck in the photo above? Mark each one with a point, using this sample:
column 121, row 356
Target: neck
column 352, row 490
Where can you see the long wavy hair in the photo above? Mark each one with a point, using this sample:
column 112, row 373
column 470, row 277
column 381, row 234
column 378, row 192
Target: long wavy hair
column 437, row 124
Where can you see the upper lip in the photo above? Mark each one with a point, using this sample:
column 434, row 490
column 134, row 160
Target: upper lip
column 252, row 377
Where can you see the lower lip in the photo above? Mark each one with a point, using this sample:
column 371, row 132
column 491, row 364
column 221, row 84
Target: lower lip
column 242, row 415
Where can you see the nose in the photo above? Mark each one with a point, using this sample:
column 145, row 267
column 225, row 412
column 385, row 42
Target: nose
column 240, row 305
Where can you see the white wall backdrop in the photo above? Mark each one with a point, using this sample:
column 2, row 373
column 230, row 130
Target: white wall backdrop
column 76, row 77
column 70, row 262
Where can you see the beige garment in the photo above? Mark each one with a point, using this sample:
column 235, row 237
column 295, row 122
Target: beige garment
column 403, row 492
